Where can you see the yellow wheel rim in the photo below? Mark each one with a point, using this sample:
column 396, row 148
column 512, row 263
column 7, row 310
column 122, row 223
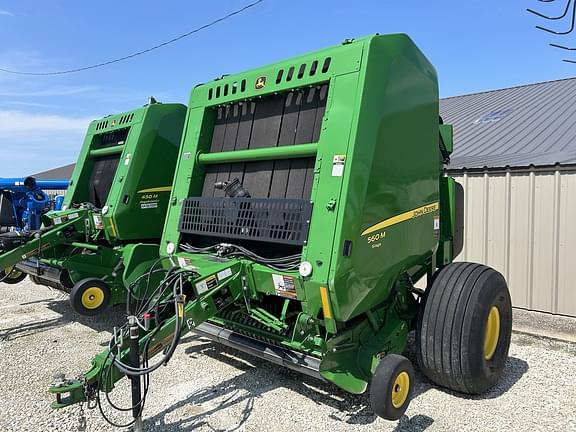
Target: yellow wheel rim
column 11, row 273
column 92, row 298
column 492, row 333
column 400, row 389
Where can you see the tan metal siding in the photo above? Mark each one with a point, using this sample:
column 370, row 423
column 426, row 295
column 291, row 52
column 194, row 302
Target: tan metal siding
column 523, row 224
column 567, row 245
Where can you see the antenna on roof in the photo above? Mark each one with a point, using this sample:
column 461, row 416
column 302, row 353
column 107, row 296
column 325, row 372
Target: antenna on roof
column 570, row 4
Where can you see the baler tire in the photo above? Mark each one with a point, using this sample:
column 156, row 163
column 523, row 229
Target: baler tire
column 90, row 296
column 464, row 328
column 15, row 276
column 391, row 387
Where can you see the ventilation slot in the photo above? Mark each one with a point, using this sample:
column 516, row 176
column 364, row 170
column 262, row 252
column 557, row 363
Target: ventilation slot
column 282, row 75
column 302, row 70
column 313, row 68
column 127, row 118
column 102, row 125
column 226, row 89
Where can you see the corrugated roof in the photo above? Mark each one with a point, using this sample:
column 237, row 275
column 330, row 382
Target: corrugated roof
column 527, row 125
column 61, row 173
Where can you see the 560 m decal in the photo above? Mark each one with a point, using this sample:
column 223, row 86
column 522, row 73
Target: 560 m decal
column 412, row 214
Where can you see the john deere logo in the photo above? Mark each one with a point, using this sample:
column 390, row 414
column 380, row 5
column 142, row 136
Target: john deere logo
column 260, row 83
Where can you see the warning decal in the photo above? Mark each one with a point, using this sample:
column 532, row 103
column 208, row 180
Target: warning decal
column 284, row 285
column 207, row 284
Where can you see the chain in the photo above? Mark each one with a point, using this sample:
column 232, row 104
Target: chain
column 88, row 396
column 81, row 419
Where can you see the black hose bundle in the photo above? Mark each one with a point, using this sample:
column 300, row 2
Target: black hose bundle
column 168, row 292
column 286, row 263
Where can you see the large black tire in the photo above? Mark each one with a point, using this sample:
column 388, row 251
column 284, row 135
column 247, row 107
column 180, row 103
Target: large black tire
column 12, row 275
column 90, row 296
column 464, row 328
column 391, row 387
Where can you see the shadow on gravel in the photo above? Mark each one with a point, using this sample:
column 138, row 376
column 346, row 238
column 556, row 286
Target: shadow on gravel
column 114, row 316
column 260, row 377
column 514, row 370
column 417, row 423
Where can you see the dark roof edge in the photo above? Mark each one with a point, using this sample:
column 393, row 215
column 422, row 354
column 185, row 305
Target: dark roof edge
column 508, row 88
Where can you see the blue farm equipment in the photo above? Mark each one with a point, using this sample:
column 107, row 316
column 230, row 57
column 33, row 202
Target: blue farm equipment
column 23, row 201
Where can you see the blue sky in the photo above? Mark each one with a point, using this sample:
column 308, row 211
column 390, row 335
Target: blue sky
column 475, row 45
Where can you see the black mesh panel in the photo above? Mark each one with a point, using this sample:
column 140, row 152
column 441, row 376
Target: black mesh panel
column 271, row 220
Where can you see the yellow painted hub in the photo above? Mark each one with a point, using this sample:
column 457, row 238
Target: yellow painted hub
column 12, row 273
column 492, row 333
column 92, row 298
column 400, row 389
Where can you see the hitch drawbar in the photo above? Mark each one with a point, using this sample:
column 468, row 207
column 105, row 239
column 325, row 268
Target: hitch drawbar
column 141, row 338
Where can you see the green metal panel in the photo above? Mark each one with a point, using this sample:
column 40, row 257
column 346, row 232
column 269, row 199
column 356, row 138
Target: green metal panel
column 392, row 169
column 137, row 201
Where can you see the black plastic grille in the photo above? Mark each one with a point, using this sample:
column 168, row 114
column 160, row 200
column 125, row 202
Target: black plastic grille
column 272, row 220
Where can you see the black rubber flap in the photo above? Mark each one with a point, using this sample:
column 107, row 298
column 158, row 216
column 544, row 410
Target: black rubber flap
column 101, row 179
column 271, row 220
column 290, row 118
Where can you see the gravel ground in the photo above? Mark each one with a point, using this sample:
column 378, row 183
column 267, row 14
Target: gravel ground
column 210, row 388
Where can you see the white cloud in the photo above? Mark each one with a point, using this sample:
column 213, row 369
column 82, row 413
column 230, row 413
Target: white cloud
column 5, row 12
column 51, row 91
column 21, row 122
column 28, row 104
column 31, row 142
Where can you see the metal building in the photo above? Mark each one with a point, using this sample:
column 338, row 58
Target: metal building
column 515, row 155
